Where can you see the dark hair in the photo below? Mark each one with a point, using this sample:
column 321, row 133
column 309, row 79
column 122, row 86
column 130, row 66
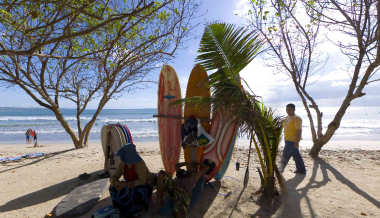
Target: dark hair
column 291, row 106
column 181, row 173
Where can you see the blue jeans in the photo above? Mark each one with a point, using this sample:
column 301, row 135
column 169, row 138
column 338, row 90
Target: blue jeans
column 291, row 151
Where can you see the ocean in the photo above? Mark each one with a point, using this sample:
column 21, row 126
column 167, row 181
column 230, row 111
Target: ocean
column 360, row 127
column 15, row 121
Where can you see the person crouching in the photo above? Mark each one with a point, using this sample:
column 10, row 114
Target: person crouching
column 133, row 194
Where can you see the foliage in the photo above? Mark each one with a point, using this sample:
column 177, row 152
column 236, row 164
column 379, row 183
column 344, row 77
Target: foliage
column 292, row 30
column 228, row 49
column 83, row 51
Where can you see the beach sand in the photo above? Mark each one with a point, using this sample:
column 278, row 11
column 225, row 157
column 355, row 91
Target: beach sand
column 343, row 183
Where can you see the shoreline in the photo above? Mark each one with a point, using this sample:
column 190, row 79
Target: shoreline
column 241, row 144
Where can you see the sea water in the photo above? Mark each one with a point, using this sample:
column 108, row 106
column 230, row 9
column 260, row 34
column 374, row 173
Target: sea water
column 359, row 128
column 360, row 125
column 15, row 121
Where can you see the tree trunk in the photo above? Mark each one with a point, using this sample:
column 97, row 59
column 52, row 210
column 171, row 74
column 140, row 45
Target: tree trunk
column 321, row 141
column 77, row 143
column 280, row 179
column 314, row 152
column 269, row 188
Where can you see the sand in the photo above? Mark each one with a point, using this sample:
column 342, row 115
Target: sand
column 344, row 183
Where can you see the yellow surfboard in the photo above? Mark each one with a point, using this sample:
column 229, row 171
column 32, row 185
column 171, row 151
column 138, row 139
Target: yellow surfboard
column 197, row 86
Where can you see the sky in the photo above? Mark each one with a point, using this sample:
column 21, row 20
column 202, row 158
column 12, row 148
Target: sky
column 275, row 88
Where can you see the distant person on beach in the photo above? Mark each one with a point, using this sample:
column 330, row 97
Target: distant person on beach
column 133, row 194
column 28, row 135
column 292, row 135
column 35, row 138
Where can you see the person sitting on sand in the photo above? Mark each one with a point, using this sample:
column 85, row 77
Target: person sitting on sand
column 177, row 195
column 133, row 194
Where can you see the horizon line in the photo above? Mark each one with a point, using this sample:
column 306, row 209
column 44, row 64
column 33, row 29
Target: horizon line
column 35, row 107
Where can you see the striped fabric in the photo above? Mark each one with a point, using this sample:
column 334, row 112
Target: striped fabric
column 113, row 137
column 127, row 134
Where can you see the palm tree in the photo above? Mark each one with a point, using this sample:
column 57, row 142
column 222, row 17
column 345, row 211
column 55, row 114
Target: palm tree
column 227, row 49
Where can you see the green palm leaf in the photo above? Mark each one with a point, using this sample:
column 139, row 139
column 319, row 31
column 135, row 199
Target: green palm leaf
column 228, row 47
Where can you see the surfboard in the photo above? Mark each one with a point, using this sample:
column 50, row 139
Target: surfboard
column 169, row 129
column 81, row 199
column 223, row 129
column 113, row 137
column 197, row 85
column 222, row 170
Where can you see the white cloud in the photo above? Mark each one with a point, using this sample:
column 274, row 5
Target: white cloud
column 241, row 8
column 263, row 80
column 328, row 87
column 159, row 65
column 335, row 76
column 340, row 83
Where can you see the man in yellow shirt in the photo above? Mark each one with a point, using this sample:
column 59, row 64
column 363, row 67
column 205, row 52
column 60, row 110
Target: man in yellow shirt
column 292, row 135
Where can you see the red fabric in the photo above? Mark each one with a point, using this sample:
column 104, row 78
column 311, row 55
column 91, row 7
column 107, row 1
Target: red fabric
column 130, row 173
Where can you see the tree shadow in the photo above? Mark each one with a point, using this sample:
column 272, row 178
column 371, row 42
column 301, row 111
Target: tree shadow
column 208, row 195
column 340, row 177
column 267, row 207
column 291, row 200
column 204, row 202
column 47, row 156
column 48, row 193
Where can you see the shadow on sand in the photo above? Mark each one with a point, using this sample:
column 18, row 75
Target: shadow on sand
column 291, row 201
column 48, row 193
column 340, row 177
column 208, row 195
column 47, row 156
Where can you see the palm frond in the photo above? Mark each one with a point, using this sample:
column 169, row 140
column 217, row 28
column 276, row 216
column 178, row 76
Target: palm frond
column 225, row 46
column 228, row 49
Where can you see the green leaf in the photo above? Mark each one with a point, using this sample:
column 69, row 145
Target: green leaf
column 176, row 11
column 227, row 47
column 311, row 2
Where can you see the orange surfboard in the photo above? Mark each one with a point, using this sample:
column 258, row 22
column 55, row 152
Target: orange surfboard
column 197, row 86
column 169, row 127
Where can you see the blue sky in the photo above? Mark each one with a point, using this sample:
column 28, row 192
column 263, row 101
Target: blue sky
column 275, row 88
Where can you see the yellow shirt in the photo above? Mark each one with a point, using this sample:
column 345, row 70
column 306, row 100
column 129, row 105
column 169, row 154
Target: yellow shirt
column 291, row 125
